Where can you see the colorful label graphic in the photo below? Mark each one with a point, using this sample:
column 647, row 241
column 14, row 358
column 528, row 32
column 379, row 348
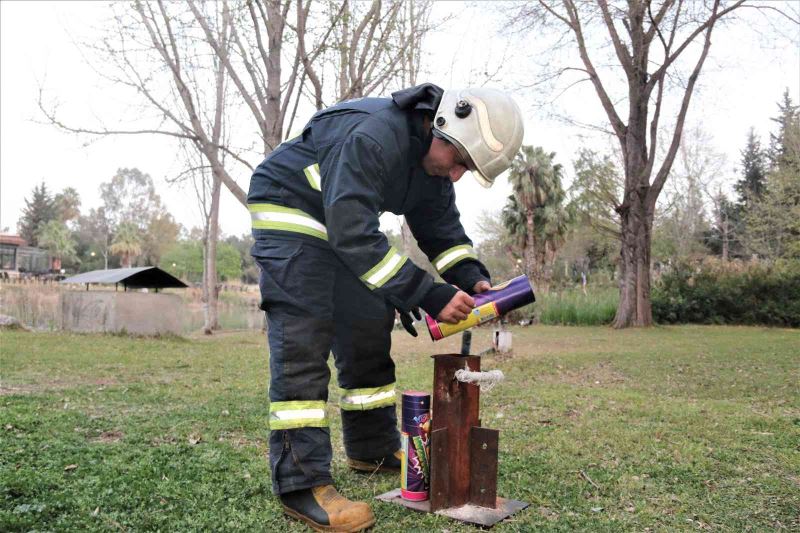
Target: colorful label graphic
column 415, row 466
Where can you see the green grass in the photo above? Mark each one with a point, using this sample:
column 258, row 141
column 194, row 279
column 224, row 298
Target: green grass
column 573, row 308
column 678, row 428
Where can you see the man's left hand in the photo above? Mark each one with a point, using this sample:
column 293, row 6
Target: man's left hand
column 481, row 286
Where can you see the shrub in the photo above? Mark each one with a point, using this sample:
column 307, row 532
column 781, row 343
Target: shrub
column 737, row 293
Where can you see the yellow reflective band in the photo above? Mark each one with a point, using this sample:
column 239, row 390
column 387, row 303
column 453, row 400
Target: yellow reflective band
column 278, row 217
column 378, row 275
column 369, row 398
column 298, row 414
column 453, row 255
column 313, row 176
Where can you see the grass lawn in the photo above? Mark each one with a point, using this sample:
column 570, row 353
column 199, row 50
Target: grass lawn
column 672, row 428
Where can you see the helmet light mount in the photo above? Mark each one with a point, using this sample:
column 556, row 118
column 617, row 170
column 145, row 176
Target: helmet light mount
column 485, row 125
column 463, row 109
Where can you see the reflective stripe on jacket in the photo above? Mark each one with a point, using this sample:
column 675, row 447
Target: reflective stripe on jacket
column 352, row 162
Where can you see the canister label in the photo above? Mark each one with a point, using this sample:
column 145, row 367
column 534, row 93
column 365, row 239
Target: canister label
column 477, row 316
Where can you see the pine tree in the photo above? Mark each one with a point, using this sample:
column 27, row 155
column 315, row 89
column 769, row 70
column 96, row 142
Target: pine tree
column 751, row 187
column 787, row 115
column 772, row 223
column 38, row 211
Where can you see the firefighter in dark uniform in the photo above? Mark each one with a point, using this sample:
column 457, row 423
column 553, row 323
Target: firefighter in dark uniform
column 331, row 282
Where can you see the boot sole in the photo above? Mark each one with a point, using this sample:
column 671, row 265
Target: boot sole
column 362, row 466
column 321, row 527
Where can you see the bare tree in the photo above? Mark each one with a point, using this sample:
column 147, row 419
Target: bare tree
column 681, row 214
column 180, row 58
column 652, row 41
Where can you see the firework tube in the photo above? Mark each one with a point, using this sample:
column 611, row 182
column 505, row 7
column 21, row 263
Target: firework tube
column 495, row 302
column 415, row 466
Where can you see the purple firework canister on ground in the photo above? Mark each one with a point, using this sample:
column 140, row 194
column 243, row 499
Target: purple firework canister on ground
column 416, row 425
column 495, row 302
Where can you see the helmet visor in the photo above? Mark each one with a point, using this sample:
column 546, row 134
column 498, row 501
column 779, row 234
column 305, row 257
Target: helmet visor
column 464, row 158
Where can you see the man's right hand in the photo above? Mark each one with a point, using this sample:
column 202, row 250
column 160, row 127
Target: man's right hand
column 457, row 309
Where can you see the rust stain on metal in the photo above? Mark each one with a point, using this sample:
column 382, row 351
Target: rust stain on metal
column 440, row 469
column 483, row 466
column 455, row 406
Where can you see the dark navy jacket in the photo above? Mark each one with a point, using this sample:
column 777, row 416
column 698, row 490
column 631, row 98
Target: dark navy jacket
column 352, row 162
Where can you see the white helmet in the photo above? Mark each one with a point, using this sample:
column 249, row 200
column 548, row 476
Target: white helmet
column 485, row 125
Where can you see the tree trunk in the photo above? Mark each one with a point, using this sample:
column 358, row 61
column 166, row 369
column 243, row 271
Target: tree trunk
column 275, row 27
column 724, row 238
column 105, row 253
column 210, row 288
column 634, row 307
column 529, row 253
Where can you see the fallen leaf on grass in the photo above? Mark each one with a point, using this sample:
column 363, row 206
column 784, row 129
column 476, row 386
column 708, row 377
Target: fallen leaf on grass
column 69, row 468
column 194, row 439
column 96, row 511
column 597, row 509
column 9, row 427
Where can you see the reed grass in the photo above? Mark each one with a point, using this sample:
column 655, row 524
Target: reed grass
column 574, row 308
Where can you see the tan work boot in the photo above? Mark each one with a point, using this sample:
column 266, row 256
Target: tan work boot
column 324, row 509
column 388, row 463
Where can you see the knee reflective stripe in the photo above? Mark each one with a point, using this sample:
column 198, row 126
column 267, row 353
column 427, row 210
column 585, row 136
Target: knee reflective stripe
column 300, row 414
column 277, row 217
column 383, row 271
column 313, row 176
column 452, row 256
column 371, row 398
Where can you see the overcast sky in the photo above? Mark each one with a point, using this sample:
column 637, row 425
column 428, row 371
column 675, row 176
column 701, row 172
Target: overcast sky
column 749, row 68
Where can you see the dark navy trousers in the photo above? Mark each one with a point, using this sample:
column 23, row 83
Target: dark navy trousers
column 316, row 306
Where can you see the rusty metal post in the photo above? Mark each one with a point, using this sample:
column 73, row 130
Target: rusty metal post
column 463, row 454
column 455, row 410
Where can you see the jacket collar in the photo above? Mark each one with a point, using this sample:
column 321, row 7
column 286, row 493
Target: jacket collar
column 418, row 102
column 425, row 97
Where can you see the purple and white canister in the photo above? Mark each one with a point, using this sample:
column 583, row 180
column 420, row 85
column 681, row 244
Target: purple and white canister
column 415, row 469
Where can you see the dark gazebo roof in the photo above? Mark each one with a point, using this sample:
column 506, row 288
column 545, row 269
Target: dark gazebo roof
column 133, row 278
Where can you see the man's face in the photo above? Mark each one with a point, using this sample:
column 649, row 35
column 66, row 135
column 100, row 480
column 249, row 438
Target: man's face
column 443, row 159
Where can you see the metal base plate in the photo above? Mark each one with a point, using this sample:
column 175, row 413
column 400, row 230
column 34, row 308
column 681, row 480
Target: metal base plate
column 472, row 514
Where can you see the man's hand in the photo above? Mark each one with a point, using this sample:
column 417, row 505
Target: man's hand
column 481, row 286
column 457, row 309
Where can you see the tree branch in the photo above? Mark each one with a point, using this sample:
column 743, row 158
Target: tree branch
column 666, row 165
column 700, row 29
column 623, row 54
column 608, row 106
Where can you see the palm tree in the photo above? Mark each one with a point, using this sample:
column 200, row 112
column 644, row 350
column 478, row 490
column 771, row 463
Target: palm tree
column 56, row 239
column 127, row 243
column 535, row 215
